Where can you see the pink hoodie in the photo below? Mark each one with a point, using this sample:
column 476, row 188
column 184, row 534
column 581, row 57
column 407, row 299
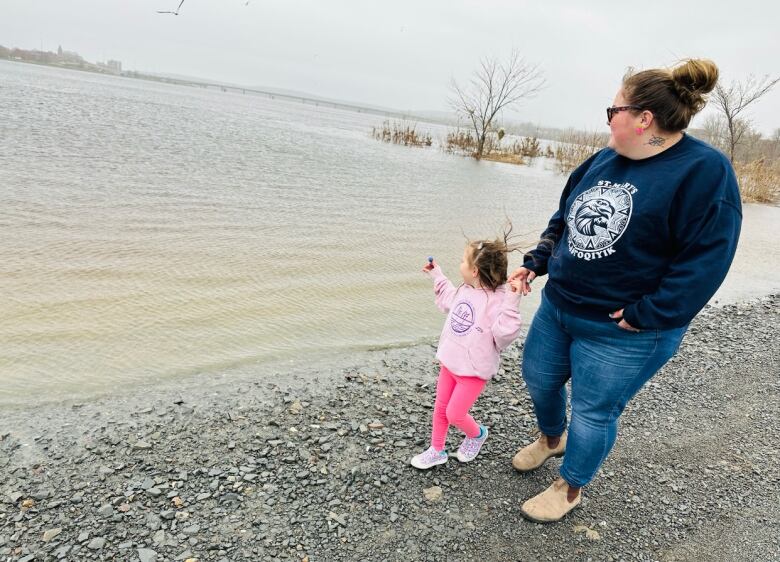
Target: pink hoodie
column 479, row 325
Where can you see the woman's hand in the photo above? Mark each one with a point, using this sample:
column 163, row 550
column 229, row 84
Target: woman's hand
column 524, row 276
column 622, row 324
column 428, row 267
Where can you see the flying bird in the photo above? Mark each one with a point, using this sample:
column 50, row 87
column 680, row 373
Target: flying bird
column 176, row 13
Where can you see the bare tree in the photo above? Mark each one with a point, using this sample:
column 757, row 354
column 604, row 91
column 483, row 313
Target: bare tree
column 714, row 131
column 493, row 87
column 732, row 101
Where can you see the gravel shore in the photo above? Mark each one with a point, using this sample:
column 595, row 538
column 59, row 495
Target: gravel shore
column 315, row 467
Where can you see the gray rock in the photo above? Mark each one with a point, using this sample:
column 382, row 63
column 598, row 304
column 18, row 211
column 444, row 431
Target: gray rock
column 50, row 534
column 340, row 519
column 146, row 555
column 41, row 494
column 153, row 520
column 97, row 543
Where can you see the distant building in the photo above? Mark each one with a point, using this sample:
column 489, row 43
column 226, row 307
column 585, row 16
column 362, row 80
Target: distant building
column 69, row 56
column 111, row 67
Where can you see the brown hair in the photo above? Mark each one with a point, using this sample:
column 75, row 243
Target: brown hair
column 490, row 258
column 674, row 95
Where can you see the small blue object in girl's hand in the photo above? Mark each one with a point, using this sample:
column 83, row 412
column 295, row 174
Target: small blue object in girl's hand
column 430, row 259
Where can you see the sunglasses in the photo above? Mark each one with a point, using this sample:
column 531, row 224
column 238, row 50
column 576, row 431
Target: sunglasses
column 617, row 108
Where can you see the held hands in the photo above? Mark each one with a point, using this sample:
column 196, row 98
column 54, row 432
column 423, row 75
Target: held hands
column 622, row 324
column 520, row 280
column 516, row 285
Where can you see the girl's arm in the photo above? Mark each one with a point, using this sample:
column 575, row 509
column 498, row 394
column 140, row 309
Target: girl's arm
column 506, row 327
column 443, row 288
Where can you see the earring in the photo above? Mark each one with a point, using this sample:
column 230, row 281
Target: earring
column 640, row 130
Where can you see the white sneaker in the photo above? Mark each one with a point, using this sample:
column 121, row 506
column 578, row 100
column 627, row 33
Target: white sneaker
column 470, row 447
column 429, row 458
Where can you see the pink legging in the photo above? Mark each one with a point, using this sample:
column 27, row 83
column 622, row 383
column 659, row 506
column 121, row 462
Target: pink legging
column 454, row 397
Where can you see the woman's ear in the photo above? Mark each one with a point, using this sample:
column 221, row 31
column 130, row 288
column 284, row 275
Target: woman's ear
column 647, row 118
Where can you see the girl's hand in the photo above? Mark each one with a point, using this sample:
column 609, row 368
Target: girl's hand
column 622, row 324
column 516, row 285
column 524, row 276
column 428, row 267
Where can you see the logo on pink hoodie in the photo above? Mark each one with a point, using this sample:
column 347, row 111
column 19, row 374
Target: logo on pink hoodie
column 462, row 318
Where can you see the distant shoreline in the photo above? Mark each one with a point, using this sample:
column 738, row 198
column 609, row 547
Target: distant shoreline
column 319, row 102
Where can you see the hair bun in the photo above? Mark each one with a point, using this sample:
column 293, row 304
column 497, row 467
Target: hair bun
column 693, row 79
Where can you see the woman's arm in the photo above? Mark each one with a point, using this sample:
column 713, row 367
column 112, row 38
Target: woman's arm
column 705, row 220
column 707, row 245
column 536, row 260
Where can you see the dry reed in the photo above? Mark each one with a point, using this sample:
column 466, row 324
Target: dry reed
column 401, row 132
column 758, row 181
column 574, row 147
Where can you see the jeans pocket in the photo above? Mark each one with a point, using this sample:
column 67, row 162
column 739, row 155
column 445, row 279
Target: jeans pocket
column 616, row 324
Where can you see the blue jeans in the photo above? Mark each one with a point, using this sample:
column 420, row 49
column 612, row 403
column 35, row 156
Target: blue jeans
column 607, row 366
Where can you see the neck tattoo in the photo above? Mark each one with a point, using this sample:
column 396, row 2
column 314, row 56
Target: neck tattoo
column 656, row 141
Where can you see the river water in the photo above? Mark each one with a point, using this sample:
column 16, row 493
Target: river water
column 152, row 231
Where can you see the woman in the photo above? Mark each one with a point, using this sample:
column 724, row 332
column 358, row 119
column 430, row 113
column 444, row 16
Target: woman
column 644, row 234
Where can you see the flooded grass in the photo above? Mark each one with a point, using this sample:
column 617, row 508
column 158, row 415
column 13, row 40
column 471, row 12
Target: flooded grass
column 401, row 132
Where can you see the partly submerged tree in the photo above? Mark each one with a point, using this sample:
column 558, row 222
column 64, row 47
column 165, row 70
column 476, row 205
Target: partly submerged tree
column 494, row 86
column 732, row 101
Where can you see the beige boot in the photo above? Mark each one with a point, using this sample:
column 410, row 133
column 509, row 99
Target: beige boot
column 551, row 505
column 534, row 455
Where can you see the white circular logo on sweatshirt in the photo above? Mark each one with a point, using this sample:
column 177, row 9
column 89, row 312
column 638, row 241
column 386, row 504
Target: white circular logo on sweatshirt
column 597, row 218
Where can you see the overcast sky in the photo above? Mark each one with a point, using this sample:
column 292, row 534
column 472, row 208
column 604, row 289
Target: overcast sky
column 402, row 54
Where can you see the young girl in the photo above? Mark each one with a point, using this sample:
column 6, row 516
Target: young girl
column 483, row 319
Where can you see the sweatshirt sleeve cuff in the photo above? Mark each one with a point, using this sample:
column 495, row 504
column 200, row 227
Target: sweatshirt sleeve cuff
column 537, row 268
column 512, row 299
column 436, row 273
column 630, row 316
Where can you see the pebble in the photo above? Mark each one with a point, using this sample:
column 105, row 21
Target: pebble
column 96, row 543
column 51, row 534
column 146, row 555
column 432, row 494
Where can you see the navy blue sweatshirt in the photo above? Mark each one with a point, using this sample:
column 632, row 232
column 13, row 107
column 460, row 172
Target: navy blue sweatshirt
column 653, row 236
